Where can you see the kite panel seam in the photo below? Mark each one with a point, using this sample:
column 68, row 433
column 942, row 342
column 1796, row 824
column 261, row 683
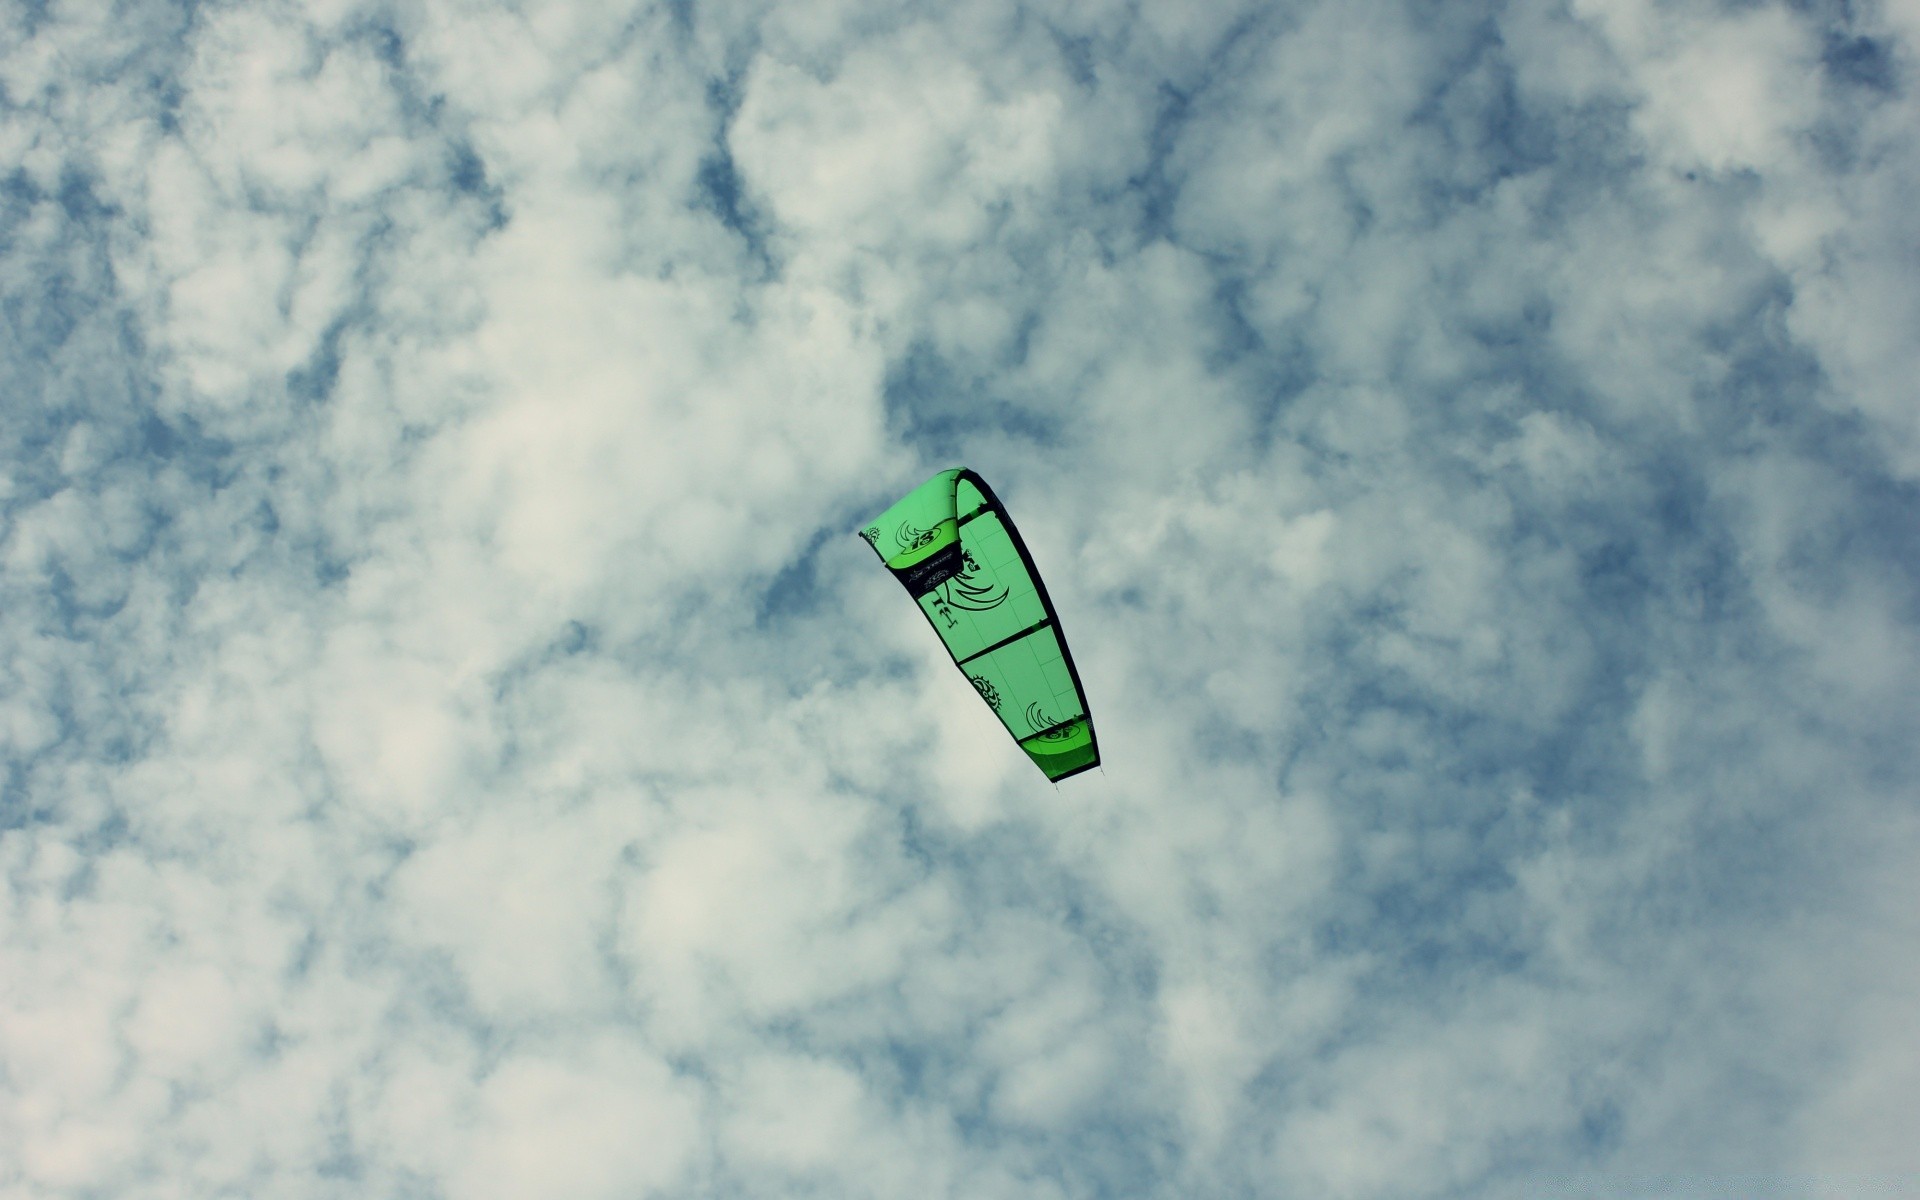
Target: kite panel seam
column 1004, row 642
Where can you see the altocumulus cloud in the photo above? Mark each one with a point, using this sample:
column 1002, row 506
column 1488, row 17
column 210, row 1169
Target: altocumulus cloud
column 455, row 747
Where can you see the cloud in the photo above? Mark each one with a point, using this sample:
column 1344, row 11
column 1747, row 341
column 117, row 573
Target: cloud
column 452, row 743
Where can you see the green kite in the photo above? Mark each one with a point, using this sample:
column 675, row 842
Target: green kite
column 951, row 543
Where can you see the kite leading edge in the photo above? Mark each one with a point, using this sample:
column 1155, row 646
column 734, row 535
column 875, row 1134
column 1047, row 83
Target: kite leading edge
column 952, row 545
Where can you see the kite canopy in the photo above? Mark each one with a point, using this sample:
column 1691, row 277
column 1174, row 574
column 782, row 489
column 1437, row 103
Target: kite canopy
column 953, row 546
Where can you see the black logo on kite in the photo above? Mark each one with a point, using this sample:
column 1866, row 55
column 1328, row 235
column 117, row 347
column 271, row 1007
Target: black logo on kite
column 965, row 589
column 1046, row 728
column 872, row 534
column 986, row 690
column 910, row 538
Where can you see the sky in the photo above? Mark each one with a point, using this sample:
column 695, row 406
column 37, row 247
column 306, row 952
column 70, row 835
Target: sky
column 454, row 745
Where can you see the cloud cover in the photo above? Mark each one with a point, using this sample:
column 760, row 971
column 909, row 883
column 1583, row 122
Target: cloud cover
column 454, row 745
